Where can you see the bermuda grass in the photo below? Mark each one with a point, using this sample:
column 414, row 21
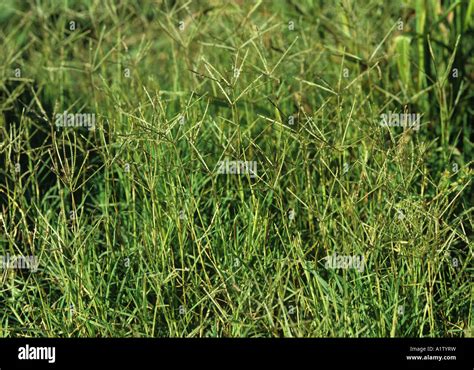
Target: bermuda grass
column 137, row 232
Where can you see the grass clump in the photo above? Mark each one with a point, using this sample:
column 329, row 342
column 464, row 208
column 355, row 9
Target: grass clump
column 138, row 233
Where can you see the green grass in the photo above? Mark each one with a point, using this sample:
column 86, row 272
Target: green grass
column 138, row 235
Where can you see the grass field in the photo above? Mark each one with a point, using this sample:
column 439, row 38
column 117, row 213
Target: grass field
column 243, row 169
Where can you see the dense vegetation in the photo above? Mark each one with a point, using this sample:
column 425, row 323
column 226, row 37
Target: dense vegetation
column 139, row 233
